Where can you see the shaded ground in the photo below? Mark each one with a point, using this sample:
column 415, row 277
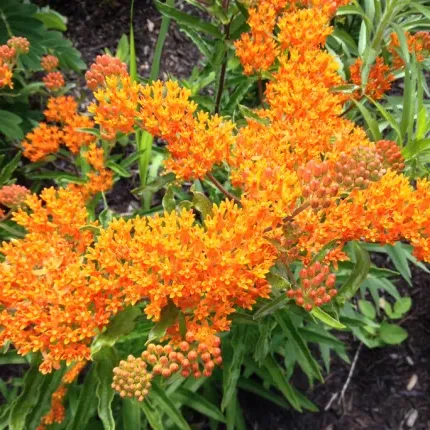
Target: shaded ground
column 390, row 387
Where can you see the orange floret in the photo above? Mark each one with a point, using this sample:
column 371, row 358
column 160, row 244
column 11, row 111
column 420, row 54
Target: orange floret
column 379, row 79
column 196, row 144
column 116, row 107
column 20, row 44
column 43, row 140
column 49, row 63
column 104, row 66
column 61, row 109
column 5, row 76
column 54, row 81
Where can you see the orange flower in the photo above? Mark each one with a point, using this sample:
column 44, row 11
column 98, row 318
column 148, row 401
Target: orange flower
column 379, row 79
column 7, row 55
column 116, row 106
column 43, row 140
column 304, row 29
column 49, row 63
column 419, row 44
column 13, row 195
column 104, row 66
column 5, row 76
column 195, row 143
column 209, row 270
column 49, row 303
column 54, row 81
column 61, row 109
column 20, row 44
column 74, row 139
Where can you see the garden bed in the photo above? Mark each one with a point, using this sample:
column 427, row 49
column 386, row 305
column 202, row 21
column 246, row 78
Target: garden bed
column 388, row 388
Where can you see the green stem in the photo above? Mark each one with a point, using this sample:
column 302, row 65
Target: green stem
column 386, row 19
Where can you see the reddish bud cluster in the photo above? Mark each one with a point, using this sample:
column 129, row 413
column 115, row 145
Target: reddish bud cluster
column 391, row 155
column 104, row 66
column 132, row 377
column 20, row 44
column 13, row 195
column 7, row 54
column 316, row 286
column 318, row 184
column 49, row 63
column 54, row 81
column 357, row 169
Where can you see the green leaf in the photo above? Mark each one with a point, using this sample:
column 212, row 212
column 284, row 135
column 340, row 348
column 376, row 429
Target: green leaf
column 292, row 333
column 9, row 125
column 392, row 334
column 232, row 368
column 271, row 306
column 168, row 407
column 9, row 168
column 118, row 169
column 372, row 124
column 58, row 176
column 281, row 383
column 320, row 255
column 123, row 49
column 131, row 415
column 201, row 44
column 122, row 324
column 28, row 398
column 234, row 414
column 257, row 388
column 168, row 202
column 86, row 404
column 326, row 318
column 198, row 403
column 187, row 20
column 402, row 305
column 367, row 309
column 155, row 185
column 249, row 114
column 262, row 348
column 201, row 203
column 169, row 315
column 321, row 338
column 277, row 281
column 105, row 361
column 358, row 274
column 399, row 258
column 51, row 19
column 152, row 415
column 239, row 93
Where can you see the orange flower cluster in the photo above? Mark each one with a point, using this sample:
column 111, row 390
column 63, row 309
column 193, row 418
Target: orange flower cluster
column 195, row 143
column 116, row 107
column 46, row 138
column 8, row 55
column 100, row 178
column 13, row 195
column 378, row 82
column 207, row 270
column 104, row 66
column 54, row 79
column 49, row 303
column 57, row 412
column 418, row 44
column 49, row 63
column 316, row 286
column 132, row 378
column 295, row 28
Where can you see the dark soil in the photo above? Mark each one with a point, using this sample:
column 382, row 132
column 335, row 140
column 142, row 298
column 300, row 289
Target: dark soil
column 390, row 387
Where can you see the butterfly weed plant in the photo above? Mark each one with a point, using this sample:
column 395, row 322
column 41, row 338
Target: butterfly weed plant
column 251, row 245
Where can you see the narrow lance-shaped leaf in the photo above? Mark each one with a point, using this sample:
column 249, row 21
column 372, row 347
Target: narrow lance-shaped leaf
column 358, row 274
column 232, row 369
